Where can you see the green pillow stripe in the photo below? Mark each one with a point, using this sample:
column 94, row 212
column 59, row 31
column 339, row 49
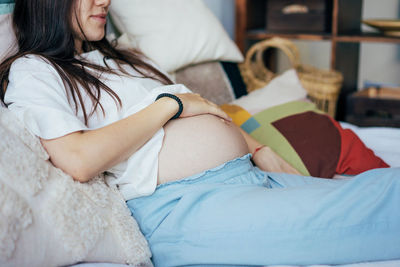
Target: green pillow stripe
column 6, row 8
column 280, row 111
column 268, row 135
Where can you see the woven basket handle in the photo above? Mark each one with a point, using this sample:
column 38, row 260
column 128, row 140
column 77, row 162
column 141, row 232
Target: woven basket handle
column 258, row 49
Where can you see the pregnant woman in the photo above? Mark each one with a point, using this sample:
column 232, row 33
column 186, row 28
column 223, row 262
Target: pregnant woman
column 182, row 166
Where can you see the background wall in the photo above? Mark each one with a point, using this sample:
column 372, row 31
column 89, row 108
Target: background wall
column 225, row 11
column 379, row 62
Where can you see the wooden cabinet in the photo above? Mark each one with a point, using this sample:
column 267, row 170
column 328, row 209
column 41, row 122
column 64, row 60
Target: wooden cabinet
column 378, row 107
column 344, row 33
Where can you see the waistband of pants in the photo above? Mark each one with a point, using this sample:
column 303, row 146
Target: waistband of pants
column 221, row 173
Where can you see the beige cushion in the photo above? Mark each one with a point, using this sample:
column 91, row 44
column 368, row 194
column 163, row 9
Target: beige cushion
column 7, row 37
column 207, row 79
column 47, row 219
column 174, row 33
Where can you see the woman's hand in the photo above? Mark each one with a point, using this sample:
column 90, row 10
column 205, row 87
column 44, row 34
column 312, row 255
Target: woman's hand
column 267, row 160
column 194, row 104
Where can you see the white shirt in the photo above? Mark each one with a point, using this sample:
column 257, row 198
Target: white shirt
column 36, row 94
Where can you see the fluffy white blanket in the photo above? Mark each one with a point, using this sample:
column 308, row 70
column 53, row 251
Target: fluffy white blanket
column 47, row 219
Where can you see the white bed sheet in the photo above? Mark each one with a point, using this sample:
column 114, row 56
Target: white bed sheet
column 393, row 263
column 385, row 142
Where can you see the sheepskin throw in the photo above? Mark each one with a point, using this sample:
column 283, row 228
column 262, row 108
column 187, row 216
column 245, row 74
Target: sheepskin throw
column 47, row 219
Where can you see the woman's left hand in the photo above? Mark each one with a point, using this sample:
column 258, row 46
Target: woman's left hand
column 267, row 160
column 194, row 104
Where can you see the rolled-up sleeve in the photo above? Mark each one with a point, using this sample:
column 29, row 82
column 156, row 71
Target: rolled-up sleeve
column 37, row 96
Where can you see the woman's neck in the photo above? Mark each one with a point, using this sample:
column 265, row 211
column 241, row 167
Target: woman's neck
column 78, row 46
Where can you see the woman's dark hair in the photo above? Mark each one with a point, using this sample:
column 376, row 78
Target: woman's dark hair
column 44, row 28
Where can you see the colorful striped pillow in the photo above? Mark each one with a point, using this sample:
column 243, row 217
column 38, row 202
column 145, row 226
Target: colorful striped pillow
column 311, row 141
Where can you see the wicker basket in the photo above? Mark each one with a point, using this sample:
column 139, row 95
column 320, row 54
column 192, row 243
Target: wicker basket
column 323, row 86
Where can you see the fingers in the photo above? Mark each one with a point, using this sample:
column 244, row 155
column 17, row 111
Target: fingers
column 268, row 160
column 194, row 104
column 219, row 112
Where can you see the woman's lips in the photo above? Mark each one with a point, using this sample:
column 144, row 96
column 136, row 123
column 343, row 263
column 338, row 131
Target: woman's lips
column 101, row 18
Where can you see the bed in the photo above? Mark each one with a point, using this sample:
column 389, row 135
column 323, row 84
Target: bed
column 100, row 229
column 62, row 222
column 382, row 140
column 43, row 238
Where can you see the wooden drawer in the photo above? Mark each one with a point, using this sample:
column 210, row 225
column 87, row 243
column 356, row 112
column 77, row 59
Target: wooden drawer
column 383, row 109
column 299, row 15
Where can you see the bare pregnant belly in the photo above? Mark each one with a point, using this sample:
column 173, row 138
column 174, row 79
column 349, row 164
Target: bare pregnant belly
column 195, row 144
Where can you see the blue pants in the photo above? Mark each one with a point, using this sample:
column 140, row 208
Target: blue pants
column 236, row 214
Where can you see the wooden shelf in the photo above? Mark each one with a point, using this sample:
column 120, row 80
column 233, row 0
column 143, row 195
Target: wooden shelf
column 367, row 37
column 262, row 34
column 373, row 121
column 344, row 35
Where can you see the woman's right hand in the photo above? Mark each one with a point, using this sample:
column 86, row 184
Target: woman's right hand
column 268, row 160
column 194, row 104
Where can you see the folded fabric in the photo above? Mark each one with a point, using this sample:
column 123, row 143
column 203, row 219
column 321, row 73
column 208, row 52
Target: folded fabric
column 311, row 141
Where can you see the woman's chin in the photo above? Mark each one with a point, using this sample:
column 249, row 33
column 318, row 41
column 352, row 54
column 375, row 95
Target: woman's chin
column 93, row 37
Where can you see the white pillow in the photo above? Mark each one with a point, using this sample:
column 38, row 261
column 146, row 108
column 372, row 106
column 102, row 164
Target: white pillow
column 174, row 33
column 47, row 219
column 282, row 89
column 7, row 36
